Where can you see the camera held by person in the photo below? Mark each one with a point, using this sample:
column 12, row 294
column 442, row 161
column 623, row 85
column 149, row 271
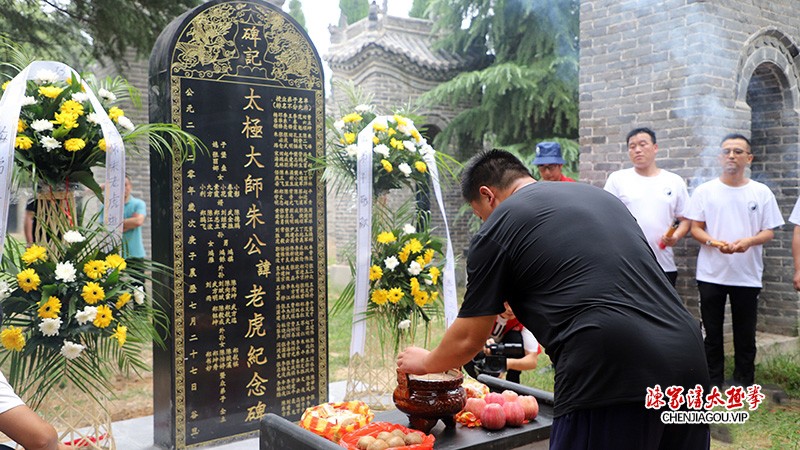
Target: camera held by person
column 493, row 360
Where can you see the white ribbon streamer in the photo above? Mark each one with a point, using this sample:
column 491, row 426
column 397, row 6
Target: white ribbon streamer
column 449, row 278
column 10, row 106
column 364, row 239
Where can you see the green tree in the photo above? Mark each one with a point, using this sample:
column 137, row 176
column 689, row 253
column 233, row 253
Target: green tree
column 107, row 27
column 354, row 10
column 529, row 92
column 296, row 11
column 418, row 9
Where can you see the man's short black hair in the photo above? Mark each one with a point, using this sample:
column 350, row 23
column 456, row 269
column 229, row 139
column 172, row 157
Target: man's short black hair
column 496, row 168
column 636, row 131
column 735, row 136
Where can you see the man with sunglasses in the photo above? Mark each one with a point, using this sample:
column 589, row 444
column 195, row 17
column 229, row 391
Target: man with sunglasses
column 733, row 217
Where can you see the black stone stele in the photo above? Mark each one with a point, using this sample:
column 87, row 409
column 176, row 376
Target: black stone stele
column 242, row 225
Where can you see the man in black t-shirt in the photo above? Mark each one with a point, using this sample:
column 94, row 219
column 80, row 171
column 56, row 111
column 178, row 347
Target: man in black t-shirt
column 578, row 272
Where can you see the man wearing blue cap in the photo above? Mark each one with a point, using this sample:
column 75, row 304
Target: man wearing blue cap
column 549, row 162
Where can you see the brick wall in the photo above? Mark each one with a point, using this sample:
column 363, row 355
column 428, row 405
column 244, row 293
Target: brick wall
column 694, row 71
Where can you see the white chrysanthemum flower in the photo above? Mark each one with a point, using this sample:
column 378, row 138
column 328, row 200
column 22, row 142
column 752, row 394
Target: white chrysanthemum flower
column 405, row 129
column 428, row 281
column 405, row 169
column 414, row 268
column 106, row 94
column 363, row 108
column 5, row 289
column 426, row 150
column 42, row 125
column 339, row 125
column 88, row 314
column 73, row 236
column 50, row 143
column 404, row 324
column 410, row 146
column 409, row 229
column 45, row 76
column 391, row 262
column 382, row 150
column 93, row 118
column 126, row 123
column 49, row 327
column 28, row 100
column 80, row 97
column 65, row 272
column 351, row 150
column 71, row 350
column 138, row 295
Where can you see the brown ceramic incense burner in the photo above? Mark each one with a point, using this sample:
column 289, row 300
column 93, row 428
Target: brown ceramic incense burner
column 428, row 398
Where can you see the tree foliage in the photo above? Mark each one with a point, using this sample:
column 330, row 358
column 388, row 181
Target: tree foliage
column 108, row 27
column 354, row 10
column 529, row 93
column 296, row 11
column 418, row 9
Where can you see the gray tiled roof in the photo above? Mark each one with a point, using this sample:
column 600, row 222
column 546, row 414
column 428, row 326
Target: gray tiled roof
column 406, row 38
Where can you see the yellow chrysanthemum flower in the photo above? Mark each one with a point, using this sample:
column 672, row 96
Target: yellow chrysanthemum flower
column 420, row 260
column 428, row 256
column 104, row 317
column 50, row 91
column 404, row 254
column 414, row 245
column 74, row 144
column 397, row 144
column 349, row 138
column 5, row 85
column 415, row 134
column 375, row 273
column 379, row 126
column 387, row 166
column 34, row 253
column 51, row 308
column 401, row 121
column 121, row 334
column 434, row 296
column 375, row 140
column 352, row 117
column 12, row 338
column 380, row 296
column 92, row 293
column 421, row 166
column 115, row 261
column 67, row 120
column 71, row 106
column 95, row 269
column 102, row 144
column 391, row 132
column 23, row 142
column 435, row 272
column 414, row 282
column 395, row 295
column 386, row 237
column 21, row 126
column 123, row 300
column 421, row 298
column 114, row 113
column 28, row 280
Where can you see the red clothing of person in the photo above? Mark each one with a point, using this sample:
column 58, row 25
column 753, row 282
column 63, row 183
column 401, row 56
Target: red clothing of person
column 566, row 178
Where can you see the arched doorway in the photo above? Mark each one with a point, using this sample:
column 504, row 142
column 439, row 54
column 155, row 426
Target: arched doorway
column 774, row 134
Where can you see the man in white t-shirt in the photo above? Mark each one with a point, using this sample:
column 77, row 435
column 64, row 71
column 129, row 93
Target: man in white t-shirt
column 655, row 197
column 22, row 424
column 733, row 217
column 795, row 219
